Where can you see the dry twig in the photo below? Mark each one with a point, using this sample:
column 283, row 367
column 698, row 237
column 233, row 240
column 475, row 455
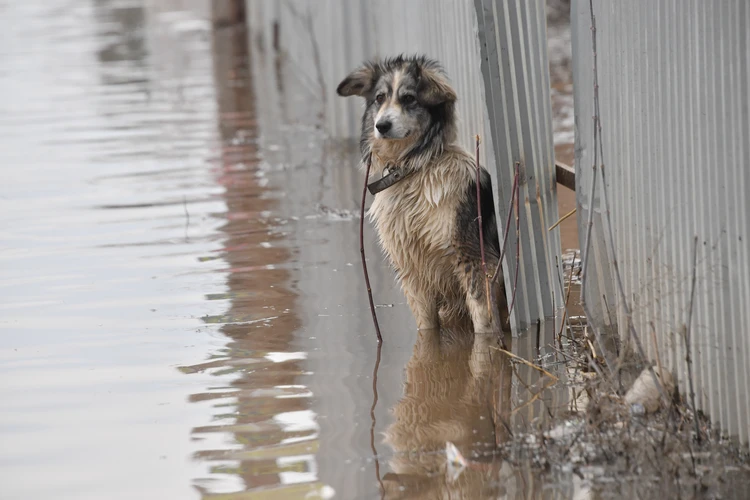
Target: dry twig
column 487, row 294
column 656, row 349
column 524, row 361
column 506, row 228
column 628, row 313
column 560, row 273
column 686, row 334
column 491, row 279
column 535, row 397
column 518, row 242
column 562, row 219
column 590, row 215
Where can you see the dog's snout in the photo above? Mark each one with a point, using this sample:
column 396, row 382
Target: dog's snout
column 383, row 126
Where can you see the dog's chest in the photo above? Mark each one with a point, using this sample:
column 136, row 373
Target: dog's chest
column 415, row 226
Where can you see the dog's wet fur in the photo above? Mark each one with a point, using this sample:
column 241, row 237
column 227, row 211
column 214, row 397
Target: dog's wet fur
column 427, row 223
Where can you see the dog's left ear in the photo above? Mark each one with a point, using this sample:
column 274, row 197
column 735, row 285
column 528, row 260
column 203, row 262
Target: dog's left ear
column 433, row 87
column 360, row 82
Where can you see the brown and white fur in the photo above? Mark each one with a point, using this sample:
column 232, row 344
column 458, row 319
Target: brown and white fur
column 427, row 222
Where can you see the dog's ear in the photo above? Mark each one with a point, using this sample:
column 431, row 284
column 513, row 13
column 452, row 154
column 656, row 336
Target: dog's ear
column 433, row 87
column 360, row 82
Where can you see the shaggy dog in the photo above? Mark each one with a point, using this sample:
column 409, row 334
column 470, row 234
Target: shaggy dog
column 425, row 207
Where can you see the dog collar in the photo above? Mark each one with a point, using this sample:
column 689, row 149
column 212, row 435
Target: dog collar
column 393, row 175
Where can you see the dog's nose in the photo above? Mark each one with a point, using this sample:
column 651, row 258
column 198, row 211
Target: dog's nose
column 383, row 126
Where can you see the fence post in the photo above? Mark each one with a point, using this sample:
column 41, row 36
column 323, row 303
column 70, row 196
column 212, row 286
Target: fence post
column 513, row 47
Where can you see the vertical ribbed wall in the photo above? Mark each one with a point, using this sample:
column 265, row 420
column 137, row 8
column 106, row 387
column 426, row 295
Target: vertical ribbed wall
column 673, row 85
column 324, row 40
column 513, row 41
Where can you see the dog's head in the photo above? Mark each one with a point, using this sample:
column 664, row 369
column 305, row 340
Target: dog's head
column 409, row 102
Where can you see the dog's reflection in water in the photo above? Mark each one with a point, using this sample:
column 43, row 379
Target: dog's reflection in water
column 457, row 390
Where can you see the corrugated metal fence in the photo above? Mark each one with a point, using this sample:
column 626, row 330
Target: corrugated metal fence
column 513, row 41
column 324, row 40
column 674, row 78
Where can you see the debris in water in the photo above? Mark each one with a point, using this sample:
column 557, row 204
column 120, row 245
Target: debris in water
column 644, row 391
column 335, row 213
column 456, row 461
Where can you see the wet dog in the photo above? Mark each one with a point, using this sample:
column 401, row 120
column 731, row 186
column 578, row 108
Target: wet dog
column 425, row 207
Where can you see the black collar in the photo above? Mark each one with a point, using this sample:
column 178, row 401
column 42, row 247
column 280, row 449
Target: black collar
column 393, row 175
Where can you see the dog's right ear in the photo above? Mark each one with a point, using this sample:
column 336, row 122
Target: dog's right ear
column 434, row 87
column 360, row 82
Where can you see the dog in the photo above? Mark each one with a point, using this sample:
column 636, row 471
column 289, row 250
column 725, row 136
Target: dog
column 425, row 205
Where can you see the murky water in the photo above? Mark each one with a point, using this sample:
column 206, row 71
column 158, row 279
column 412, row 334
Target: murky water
column 107, row 139
column 183, row 313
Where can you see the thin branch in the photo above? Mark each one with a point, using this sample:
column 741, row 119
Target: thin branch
column 593, row 364
column 362, row 250
column 506, row 228
column 536, row 396
column 495, row 316
column 562, row 291
column 518, row 244
column 372, row 417
column 525, row 362
column 560, row 274
column 481, row 233
column 562, row 219
column 628, row 313
column 656, row 349
column 686, row 334
column 590, row 216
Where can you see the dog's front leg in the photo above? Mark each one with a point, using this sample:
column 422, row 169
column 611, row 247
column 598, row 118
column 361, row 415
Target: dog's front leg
column 474, row 283
column 481, row 317
column 424, row 307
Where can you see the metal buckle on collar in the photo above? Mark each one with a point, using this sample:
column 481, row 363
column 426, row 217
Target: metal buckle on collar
column 389, row 179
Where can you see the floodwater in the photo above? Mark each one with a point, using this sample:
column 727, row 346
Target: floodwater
column 183, row 312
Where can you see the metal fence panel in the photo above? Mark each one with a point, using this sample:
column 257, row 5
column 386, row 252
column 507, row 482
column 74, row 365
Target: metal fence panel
column 514, row 63
column 673, row 84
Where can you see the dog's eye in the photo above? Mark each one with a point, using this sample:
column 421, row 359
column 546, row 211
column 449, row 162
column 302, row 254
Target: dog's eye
column 407, row 99
column 380, row 98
